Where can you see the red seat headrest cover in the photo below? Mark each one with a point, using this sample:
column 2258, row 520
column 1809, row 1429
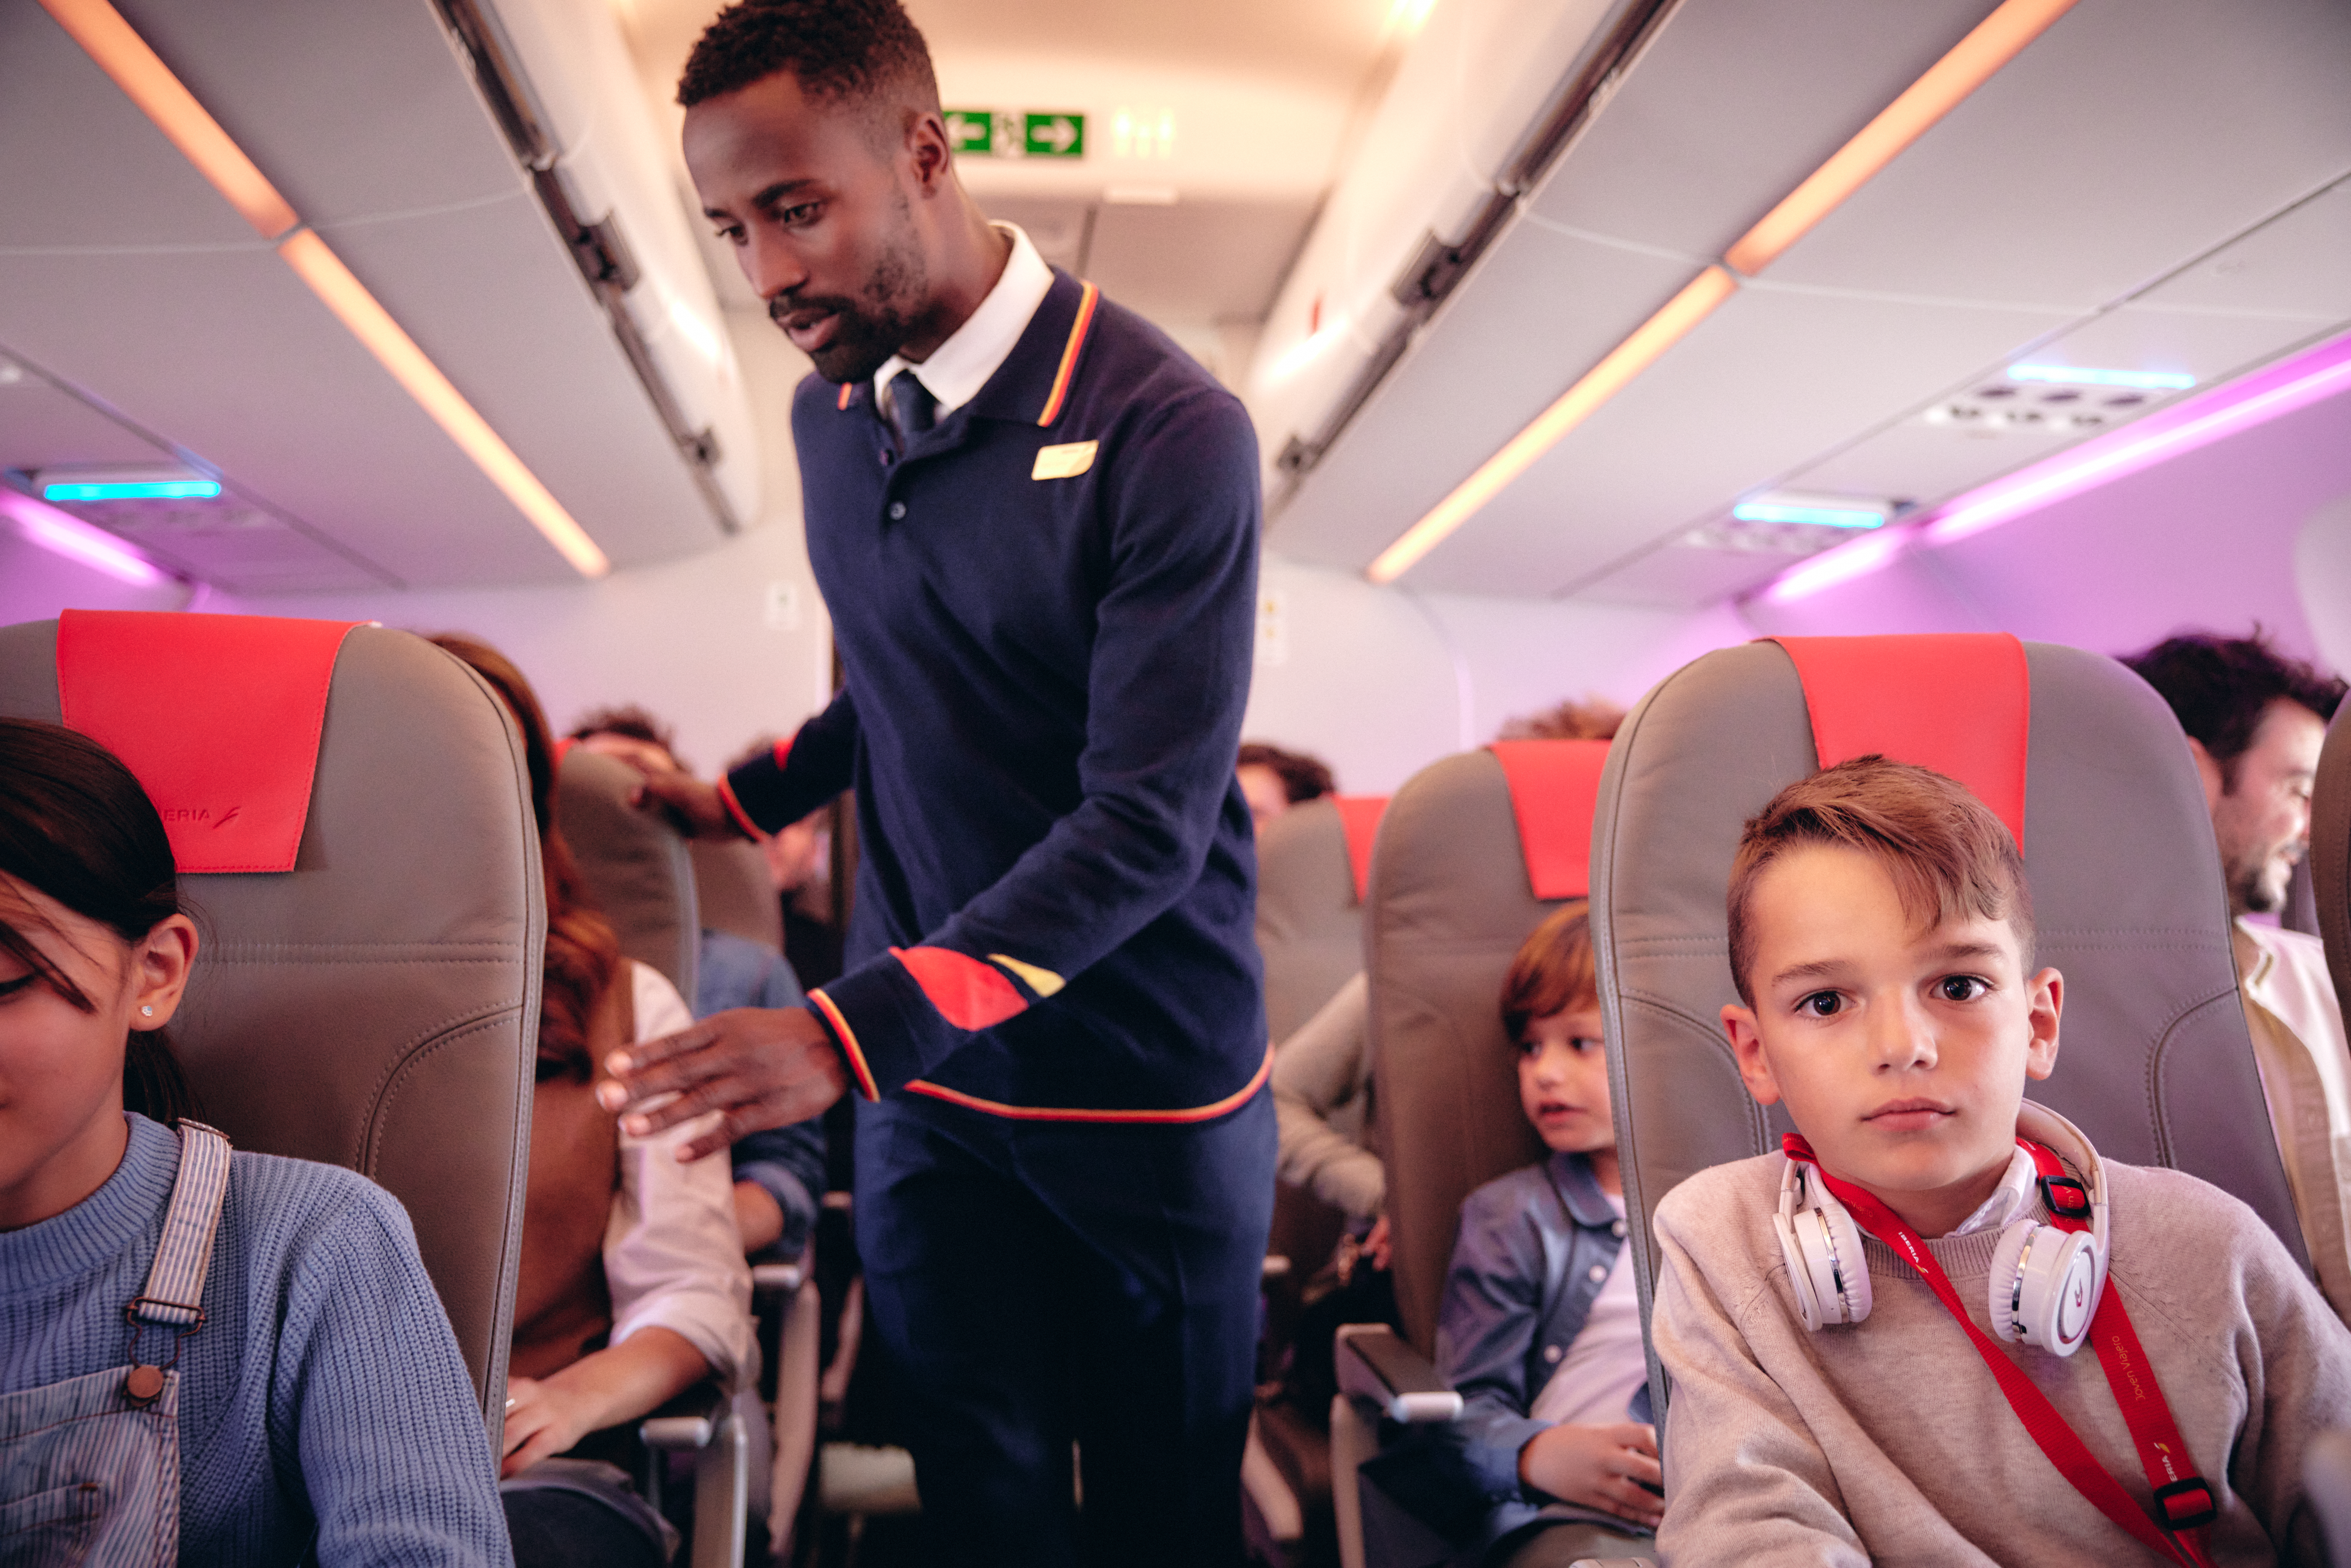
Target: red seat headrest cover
column 218, row 717
column 1359, row 819
column 1555, row 787
column 1960, row 704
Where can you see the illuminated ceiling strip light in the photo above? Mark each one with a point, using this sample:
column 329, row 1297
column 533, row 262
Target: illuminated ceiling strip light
column 136, row 68
column 2071, row 376
column 1996, row 40
column 1972, row 62
column 2321, row 373
column 1842, row 564
column 133, row 490
column 1825, row 517
column 63, row 534
column 1661, row 331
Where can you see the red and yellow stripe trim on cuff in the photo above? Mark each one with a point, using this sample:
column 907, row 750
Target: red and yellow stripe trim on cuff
column 735, row 809
column 1070, row 351
column 784, row 749
column 1209, row 1112
column 848, row 391
column 848, row 1046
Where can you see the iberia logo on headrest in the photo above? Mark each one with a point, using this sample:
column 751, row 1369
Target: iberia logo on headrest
column 219, row 717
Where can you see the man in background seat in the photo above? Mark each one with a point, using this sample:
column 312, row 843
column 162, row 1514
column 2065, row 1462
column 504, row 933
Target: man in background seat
column 2255, row 721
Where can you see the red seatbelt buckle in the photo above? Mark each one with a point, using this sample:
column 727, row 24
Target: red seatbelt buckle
column 2186, row 1504
column 2066, row 1197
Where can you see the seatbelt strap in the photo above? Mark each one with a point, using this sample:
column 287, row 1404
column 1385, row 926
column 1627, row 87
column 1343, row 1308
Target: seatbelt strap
column 2133, row 1383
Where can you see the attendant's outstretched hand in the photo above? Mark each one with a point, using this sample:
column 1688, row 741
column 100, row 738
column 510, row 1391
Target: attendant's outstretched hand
column 759, row 1067
column 1598, row 1467
column 693, row 807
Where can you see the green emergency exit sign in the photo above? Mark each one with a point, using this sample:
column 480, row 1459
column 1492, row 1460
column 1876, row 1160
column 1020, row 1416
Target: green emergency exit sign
column 1023, row 133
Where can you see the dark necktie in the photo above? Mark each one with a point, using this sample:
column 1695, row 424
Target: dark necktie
column 913, row 408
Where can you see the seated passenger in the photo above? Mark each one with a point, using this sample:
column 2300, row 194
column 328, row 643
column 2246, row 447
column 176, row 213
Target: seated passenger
column 1273, row 780
column 318, row 1409
column 2255, row 721
column 632, row 1286
column 1539, row 1330
column 1589, row 718
column 779, row 1173
column 1882, row 941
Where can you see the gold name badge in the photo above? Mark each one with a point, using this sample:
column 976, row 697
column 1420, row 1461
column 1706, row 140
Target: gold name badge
column 1064, row 462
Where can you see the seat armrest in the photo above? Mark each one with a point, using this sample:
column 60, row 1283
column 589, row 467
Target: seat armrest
column 781, row 1278
column 688, row 1422
column 1377, row 1366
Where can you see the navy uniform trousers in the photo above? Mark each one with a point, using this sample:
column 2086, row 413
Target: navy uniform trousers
column 1041, row 1284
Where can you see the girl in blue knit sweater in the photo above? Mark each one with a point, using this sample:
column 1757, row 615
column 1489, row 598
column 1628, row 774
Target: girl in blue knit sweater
column 203, row 1357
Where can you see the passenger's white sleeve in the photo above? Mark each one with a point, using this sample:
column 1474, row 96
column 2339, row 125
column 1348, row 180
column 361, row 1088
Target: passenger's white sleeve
column 673, row 1256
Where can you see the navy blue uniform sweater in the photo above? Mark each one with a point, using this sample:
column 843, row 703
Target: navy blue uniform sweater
column 1045, row 610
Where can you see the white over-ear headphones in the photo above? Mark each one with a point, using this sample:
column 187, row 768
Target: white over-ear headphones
column 2045, row 1282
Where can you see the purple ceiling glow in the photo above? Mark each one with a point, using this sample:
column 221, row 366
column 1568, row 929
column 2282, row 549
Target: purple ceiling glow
column 2321, row 372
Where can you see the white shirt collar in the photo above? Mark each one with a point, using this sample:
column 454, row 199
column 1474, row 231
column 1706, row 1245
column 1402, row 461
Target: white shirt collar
column 2009, row 1200
column 959, row 367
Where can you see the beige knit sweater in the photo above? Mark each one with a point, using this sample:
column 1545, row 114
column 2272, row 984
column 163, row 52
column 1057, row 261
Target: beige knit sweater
column 1889, row 1439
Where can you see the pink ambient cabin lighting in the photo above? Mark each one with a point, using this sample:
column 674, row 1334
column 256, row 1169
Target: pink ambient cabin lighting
column 62, row 533
column 2240, row 406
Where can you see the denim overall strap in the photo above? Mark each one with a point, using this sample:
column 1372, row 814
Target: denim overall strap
column 89, row 1467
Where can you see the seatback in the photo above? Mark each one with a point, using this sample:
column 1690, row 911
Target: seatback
column 634, row 864
column 1311, row 864
column 375, row 1005
column 1455, row 892
column 2155, row 1063
column 2329, row 862
column 732, row 892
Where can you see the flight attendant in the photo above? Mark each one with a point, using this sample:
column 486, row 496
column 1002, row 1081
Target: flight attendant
column 1035, row 522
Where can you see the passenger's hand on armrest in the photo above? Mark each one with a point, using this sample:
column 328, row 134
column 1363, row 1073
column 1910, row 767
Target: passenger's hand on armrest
column 1376, row 1250
column 546, row 1415
column 758, row 1216
column 760, row 1067
column 1598, row 1467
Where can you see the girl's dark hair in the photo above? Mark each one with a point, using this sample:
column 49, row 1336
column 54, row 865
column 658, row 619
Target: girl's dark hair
column 75, row 826
column 583, row 953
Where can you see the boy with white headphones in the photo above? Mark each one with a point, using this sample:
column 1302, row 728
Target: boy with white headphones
column 1872, row 1338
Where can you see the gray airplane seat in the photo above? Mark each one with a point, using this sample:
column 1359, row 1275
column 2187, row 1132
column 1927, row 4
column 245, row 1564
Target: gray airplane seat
column 641, row 877
column 635, row 864
column 2076, row 754
column 1473, row 852
column 352, row 814
column 734, row 893
column 1313, row 861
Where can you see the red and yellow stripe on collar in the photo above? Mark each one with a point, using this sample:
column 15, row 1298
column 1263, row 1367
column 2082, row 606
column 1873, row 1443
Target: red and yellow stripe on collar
column 1070, row 351
column 1208, row 1113
column 848, row 391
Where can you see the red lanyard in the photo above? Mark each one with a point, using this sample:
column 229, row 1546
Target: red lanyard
column 2186, row 1501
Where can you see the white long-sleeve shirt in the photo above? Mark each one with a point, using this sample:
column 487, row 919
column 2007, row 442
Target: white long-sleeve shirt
column 673, row 1256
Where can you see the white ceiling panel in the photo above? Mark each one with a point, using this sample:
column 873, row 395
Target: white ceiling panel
column 264, row 384
column 1148, row 258
column 497, row 304
column 41, row 426
column 353, row 110
column 1732, row 104
column 79, row 162
column 2297, row 264
column 1770, row 374
column 1540, row 309
column 2127, row 139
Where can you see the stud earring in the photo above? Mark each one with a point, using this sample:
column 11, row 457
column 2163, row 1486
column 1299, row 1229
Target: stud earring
column 147, row 1012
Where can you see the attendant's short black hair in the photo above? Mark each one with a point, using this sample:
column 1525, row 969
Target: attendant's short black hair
column 2220, row 687
column 838, row 50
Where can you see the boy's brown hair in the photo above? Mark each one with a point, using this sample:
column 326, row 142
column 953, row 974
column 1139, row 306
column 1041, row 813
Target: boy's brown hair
column 1553, row 969
column 1945, row 851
